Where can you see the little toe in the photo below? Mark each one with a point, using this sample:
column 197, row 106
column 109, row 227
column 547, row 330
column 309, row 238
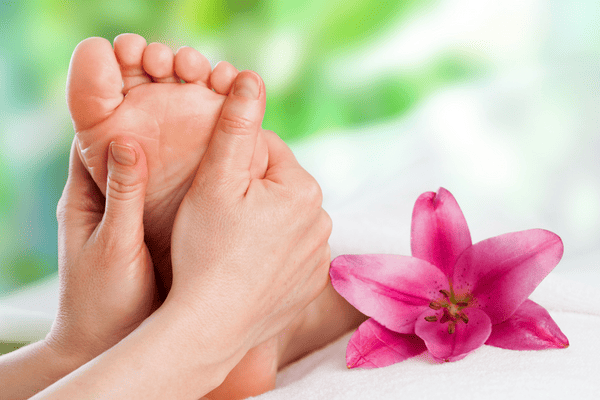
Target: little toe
column 94, row 83
column 129, row 49
column 192, row 67
column 222, row 77
column 158, row 63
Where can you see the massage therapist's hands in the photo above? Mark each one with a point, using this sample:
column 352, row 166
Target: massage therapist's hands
column 248, row 254
column 107, row 285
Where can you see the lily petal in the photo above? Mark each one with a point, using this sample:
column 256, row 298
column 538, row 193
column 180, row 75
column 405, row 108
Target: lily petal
column 454, row 346
column 501, row 272
column 392, row 289
column 439, row 232
column 375, row 346
column 529, row 328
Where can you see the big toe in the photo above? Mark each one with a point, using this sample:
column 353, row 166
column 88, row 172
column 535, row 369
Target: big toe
column 94, row 83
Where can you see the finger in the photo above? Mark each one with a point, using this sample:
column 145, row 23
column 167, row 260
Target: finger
column 279, row 152
column 125, row 189
column 282, row 164
column 80, row 207
column 81, row 197
column 231, row 149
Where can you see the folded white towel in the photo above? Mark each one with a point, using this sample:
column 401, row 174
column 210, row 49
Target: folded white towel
column 487, row 373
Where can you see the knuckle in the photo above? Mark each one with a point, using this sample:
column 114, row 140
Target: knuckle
column 235, row 124
column 121, row 189
column 322, row 274
column 327, row 223
column 311, row 193
column 325, row 280
column 325, row 256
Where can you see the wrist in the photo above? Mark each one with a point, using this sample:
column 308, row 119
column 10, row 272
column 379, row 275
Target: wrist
column 64, row 358
column 192, row 349
column 203, row 334
column 166, row 357
column 67, row 342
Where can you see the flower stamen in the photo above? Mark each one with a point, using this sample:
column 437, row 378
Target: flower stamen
column 452, row 327
column 451, row 307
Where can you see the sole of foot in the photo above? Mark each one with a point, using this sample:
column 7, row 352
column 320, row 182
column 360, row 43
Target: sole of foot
column 167, row 102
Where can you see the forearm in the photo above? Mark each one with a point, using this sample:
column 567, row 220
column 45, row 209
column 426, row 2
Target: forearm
column 162, row 359
column 32, row 368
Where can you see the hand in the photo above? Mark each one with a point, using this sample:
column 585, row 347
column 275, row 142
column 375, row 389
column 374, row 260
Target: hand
column 248, row 254
column 106, row 276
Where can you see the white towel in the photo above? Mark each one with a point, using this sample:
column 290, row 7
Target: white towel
column 487, row 373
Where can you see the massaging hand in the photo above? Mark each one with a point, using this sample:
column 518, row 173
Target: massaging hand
column 248, row 254
column 106, row 276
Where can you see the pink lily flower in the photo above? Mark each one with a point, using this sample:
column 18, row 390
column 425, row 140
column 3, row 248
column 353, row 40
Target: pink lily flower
column 451, row 296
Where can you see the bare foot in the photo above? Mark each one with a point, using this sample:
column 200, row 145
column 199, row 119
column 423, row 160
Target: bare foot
column 137, row 90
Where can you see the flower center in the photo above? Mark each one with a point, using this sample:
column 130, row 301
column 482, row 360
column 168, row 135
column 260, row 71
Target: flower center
column 451, row 306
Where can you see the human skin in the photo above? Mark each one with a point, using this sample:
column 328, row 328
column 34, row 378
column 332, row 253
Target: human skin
column 186, row 347
column 135, row 87
column 233, row 288
column 106, row 277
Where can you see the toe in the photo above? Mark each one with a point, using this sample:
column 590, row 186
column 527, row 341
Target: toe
column 94, row 83
column 158, row 63
column 222, row 77
column 129, row 49
column 191, row 66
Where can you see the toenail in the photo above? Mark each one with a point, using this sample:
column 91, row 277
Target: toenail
column 247, row 86
column 124, row 155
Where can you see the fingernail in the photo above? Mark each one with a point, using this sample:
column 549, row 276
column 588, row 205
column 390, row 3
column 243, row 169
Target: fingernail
column 247, row 86
column 124, row 155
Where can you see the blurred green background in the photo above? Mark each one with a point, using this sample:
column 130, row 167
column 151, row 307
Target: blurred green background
column 292, row 44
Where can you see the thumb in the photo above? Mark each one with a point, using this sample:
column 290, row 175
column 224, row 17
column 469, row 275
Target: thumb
column 231, row 148
column 125, row 187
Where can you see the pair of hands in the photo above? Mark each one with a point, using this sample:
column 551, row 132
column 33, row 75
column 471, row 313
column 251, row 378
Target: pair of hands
column 248, row 254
